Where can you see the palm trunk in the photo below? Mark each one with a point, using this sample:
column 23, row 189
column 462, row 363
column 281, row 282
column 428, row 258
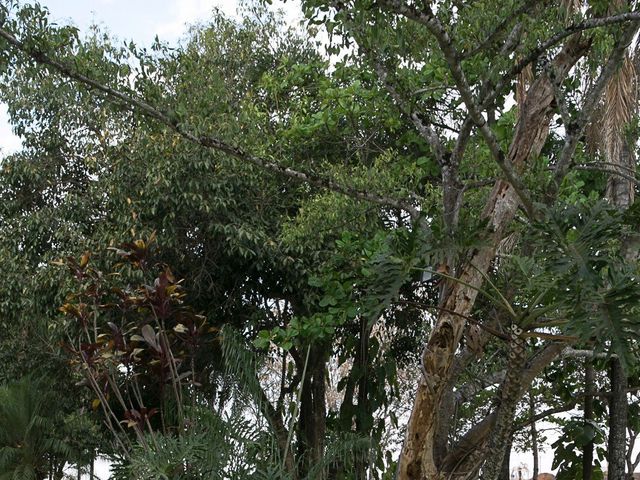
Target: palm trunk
column 505, row 470
column 587, row 453
column 620, row 192
column 617, row 445
column 534, row 437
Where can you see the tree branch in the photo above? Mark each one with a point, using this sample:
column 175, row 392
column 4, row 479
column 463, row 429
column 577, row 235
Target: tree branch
column 552, row 41
column 435, row 27
column 496, row 32
column 424, row 129
column 466, row 391
column 211, row 142
column 542, row 415
column 599, row 166
column 476, row 437
column 496, row 333
column 569, row 352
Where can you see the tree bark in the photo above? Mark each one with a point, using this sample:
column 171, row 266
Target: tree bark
column 510, row 393
column 505, row 470
column 534, row 437
column 621, row 193
column 312, row 421
column 617, row 445
column 587, row 452
column 417, row 460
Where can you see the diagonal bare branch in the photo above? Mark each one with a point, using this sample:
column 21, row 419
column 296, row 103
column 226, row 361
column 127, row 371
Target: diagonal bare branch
column 214, row 143
column 600, row 167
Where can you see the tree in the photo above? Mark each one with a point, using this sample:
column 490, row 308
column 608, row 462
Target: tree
column 32, row 444
column 537, row 256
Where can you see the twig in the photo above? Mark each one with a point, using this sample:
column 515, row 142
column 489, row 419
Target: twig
column 490, row 330
column 523, row 9
column 423, row 128
column 552, row 41
column 542, row 415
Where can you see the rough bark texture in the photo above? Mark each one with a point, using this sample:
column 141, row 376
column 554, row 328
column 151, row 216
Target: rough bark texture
column 534, row 436
column 505, row 470
column 312, row 422
column 418, row 460
column 511, row 391
column 617, row 445
column 587, row 453
column 620, row 189
column 487, row 441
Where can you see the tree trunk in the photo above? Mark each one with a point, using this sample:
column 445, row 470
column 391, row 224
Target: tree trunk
column 505, row 470
column 511, row 390
column 312, row 421
column 621, row 193
column 417, row 460
column 534, row 437
column 587, row 452
column 617, row 445
column 364, row 419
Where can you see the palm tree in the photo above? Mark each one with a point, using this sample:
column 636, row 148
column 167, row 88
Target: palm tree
column 29, row 447
column 618, row 151
column 620, row 100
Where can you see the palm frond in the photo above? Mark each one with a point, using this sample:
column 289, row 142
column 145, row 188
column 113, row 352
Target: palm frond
column 620, row 101
column 28, row 432
column 620, row 106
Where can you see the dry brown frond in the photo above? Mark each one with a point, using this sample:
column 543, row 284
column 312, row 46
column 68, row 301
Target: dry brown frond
column 620, row 99
column 507, row 245
column 594, row 138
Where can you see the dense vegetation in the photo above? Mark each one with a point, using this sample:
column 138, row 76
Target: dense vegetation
column 384, row 245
